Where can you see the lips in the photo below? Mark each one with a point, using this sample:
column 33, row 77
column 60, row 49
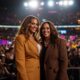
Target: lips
column 45, row 33
column 34, row 28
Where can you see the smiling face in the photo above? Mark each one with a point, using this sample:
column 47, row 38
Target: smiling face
column 46, row 30
column 33, row 26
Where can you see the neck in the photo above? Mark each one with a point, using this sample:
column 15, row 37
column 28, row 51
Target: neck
column 46, row 41
column 31, row 35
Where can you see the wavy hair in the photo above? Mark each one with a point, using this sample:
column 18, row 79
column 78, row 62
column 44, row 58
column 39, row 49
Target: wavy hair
column 53, row 32
column 24, row 29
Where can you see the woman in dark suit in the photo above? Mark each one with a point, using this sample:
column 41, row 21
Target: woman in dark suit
column 53, row 56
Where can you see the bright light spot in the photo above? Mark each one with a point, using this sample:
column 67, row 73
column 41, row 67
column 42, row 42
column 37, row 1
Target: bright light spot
column 42, row 3
column 33, row 4
column 44, row 20
column 25, row 4
column 9, row 42
column 57, row 2
column 50, row 3
column 60, row 3
column 71, row 2
column 65, row 3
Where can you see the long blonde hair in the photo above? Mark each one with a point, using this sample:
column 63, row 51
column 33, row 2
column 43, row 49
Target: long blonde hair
column 25, row 28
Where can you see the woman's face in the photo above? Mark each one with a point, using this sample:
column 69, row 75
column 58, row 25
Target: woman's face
column 46, row 30
column 33, row 26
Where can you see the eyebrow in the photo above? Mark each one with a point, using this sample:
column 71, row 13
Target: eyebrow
column 34, row 23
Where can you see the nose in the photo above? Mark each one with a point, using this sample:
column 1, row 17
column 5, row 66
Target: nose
column 35, row 25
column 45, row 30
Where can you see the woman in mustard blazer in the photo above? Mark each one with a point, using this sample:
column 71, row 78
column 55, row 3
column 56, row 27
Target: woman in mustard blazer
column 54, row 61
column 27, row 50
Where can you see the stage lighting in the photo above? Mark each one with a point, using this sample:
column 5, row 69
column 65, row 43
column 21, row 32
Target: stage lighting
column 60, row 3
column 71, row 2
column 33, row 4
column 25, row 4
column 42, row 3
column 65, row 3
column 50, row 3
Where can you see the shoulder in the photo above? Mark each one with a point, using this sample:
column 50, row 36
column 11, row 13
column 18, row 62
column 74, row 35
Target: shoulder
column 62, row 41
column 20, row 37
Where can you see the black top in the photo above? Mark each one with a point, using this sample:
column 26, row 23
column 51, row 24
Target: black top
column 42, row 57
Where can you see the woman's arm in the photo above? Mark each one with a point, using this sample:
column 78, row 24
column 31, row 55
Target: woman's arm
column 20, row 58
column 63, row 60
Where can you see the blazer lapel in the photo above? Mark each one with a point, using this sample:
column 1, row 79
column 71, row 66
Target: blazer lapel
column 51, row 49
column 47, row 52
column 33, row 44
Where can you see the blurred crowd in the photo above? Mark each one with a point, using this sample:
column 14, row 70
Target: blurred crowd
column 14, row 18
column 7, row 62
column 73, row 50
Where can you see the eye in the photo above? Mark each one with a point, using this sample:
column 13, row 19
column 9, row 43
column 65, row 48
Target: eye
column 34, row 24
column 46, row 28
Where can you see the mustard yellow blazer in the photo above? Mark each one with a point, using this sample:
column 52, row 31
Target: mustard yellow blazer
column 27, row 59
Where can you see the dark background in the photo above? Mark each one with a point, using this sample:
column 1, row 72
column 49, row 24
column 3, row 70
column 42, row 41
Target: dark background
column 14, row 9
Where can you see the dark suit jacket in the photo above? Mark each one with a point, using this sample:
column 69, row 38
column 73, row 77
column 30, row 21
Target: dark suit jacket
column 56, row 61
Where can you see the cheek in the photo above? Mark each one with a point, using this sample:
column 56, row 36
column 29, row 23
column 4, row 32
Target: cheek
column 48, row 31
column 45, row 31
column 33, row 28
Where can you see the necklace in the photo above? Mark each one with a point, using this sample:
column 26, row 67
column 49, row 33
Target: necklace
column 46, row 44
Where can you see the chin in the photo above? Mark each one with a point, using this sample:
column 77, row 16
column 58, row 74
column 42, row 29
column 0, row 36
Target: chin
column 34, row 31
column 46, row 36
